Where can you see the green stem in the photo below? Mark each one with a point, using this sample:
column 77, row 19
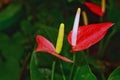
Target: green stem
column 63, row 75
column 53, row 69
column 33, row 63
column 102, row 75
column 71, row 73
column 24, row 67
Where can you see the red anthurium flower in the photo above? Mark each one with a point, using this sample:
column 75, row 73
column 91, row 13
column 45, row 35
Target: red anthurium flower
column 46, row 46
column 94, row 8
column 88, row 35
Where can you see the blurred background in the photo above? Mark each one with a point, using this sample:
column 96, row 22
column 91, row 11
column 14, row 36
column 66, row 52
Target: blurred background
column 22, row 20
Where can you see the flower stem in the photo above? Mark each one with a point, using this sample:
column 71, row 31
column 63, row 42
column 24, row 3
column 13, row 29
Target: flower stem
column 72, row 69
column 24, row 66
column 63, row 75
column 53, row 69
column 102, row 75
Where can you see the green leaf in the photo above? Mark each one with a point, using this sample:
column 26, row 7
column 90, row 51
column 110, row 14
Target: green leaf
column 51, row 34
column 9, row 70
column 48, row 32
column 46, row 59
column 11, row 48
column 40, row 73
column 113, row 11
column 13, row 51
column 10, row 55
column 70, row 0
column 4, row 41
column 10, row 15
column 18, row 38
column 82, row 1
column 34, row 70
column 96, row 1
column 27, row 28
column 84, row 73
column 115, row 75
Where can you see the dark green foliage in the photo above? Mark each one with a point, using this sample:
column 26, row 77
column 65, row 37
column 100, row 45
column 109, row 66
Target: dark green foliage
column 10, row 15
column 115, row 75
column 22, row 20
column 84, row 73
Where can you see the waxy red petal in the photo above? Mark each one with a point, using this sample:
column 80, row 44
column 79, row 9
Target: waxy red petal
column 94, row 8
column 61, row 57
column 89, row 35
column 46, row 46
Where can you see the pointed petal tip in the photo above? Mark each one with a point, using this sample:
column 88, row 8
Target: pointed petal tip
column 70, row 61
column 110, row 23
column 94, row 8
column 86, row 3
column 43, row 44
column 38, row 37
column 61, row 57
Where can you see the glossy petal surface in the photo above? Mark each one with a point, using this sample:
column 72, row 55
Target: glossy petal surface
column 46, row 46
column 61, row 57
column 94, row 8
column 89, row 35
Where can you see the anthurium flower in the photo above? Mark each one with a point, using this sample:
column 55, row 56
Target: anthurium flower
column 82, row 37
column 88, row 35
column 45, row 45
column 97, row 9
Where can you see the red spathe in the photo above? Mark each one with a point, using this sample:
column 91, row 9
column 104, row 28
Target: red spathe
column 88, row 35
column 94, row 8
column 46, row 46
